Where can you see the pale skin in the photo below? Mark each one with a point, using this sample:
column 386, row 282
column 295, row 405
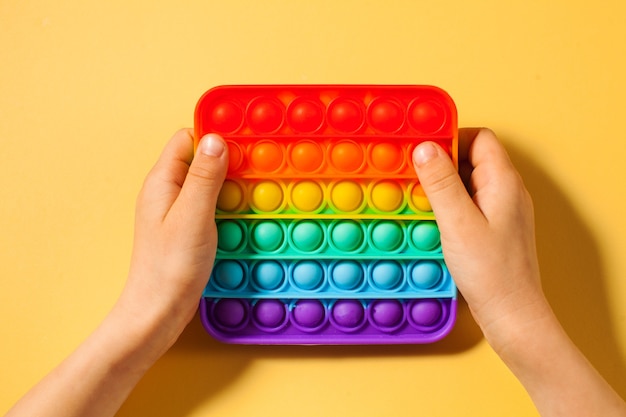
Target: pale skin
column 488, row 242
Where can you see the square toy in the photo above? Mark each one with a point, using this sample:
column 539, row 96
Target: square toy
column 324, row 234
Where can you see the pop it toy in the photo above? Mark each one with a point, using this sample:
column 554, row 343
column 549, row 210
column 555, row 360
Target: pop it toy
column 324, row 234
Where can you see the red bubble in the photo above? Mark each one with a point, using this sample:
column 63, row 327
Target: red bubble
column 345, row 115
column 224, row 117
column 427, row 116
column 386, row 115
column 305, row 115
column 265, row 115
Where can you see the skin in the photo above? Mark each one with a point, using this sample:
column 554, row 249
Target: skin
column 487, row 230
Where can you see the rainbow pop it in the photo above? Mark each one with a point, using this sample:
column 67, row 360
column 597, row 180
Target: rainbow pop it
column 324, row 234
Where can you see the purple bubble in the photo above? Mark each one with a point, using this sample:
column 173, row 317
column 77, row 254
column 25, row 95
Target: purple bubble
column 386, row 313
column 269, row 313
column 348, row 314
column 426, row 313
column 230, row 313
column 308, row 313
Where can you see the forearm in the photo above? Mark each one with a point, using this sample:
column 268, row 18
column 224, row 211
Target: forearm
column 97, row 378
column 557, row 376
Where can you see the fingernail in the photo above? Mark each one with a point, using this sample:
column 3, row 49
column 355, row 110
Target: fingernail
column 211, row 145
column 424, row 153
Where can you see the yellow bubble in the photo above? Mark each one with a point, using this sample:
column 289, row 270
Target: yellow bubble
column 387, row 196
column 419, row 199
column 347, row 196
column 307, row 196
column 267, row 196
column 231, row 197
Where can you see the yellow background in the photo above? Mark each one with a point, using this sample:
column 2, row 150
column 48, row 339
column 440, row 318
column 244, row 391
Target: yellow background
column 90, row 91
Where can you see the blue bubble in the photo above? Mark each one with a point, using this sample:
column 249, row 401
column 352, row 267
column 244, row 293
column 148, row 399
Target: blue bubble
column 268, row 275
column 229, row 274
column 426, row 274
column 347, row 275
column 386, row 275
column 307, row 275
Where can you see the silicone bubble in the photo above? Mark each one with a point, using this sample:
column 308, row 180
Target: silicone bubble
column 230, row 236
column 267, row 236
column 386, row 157
column 387, row 315
column 386, row 115
column 308, row 315
column 307, row 196
column 347, row 315
column 346, row 235
column 426, row 274
column 269, row 315
column 386, row 195
column 347, row 275
column 307, row 235
column 225, row 117
column 306, row 156
column 268, row 275
column 231, row 314
column 386, row 275
column 426, row 313
column 231, row 197
column 427, row 116
column 347, row 156
column 425, row 236
column 345, row 115
column 305, row 115
column 229, row 274
column 419, row 199
column 387, row 235
column 267, row 196
column 266, row 156
column 346, row 196
column 235, row 156
column 265, row 115
column 307, row 275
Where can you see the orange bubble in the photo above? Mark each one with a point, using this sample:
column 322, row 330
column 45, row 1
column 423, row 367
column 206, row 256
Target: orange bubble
column 306, row 156
column 235, row 157
column 346, row 156
column 386, row 157
column 386, row 196
column 266, row 156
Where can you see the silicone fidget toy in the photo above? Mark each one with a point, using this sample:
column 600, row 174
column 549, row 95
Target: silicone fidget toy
column 324, row 234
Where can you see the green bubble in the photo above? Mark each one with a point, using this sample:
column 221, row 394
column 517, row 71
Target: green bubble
column 229, row 236
column 267, row 236
column 425, row 236
column 387, row 235
column 347, row 235
column 307, row 236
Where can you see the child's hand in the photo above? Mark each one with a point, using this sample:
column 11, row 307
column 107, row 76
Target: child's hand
column 488, row 241
column 175, row 233
column 487, row 233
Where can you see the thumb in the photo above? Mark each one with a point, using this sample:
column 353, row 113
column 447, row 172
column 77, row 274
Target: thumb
column 443, row 186
column 205, row 176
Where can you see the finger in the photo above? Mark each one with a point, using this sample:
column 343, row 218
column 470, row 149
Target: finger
column 164, row 181
column 204, row 179
column 444, row 188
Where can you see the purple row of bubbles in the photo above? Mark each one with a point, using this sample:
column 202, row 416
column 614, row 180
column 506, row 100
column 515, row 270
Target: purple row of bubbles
column 314, row 316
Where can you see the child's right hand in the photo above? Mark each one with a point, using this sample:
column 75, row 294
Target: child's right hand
column 487, row 232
